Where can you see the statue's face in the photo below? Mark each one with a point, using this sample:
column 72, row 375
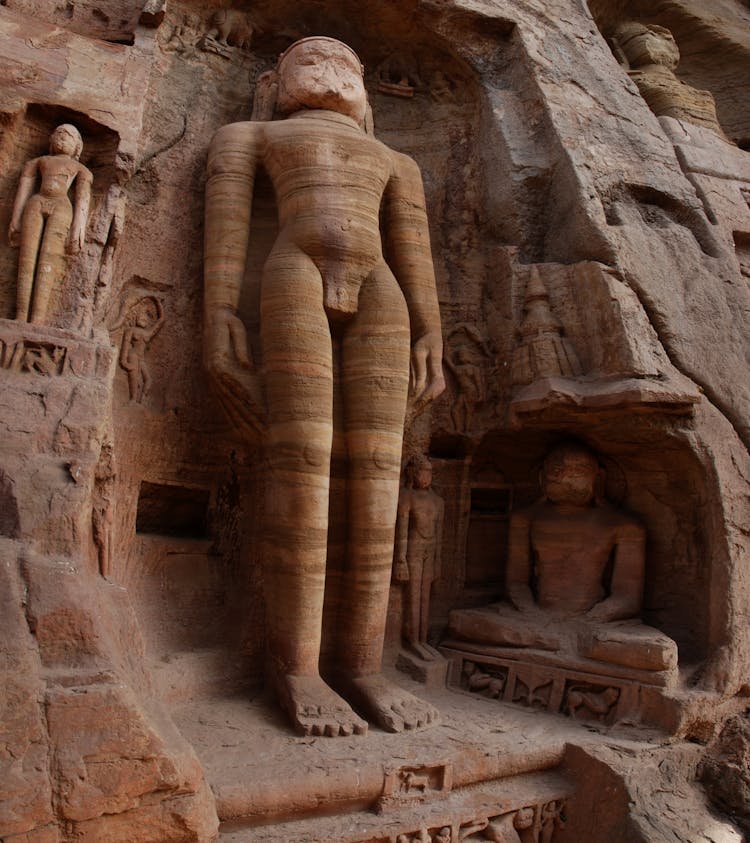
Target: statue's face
column 322, row 73
column 423, row 477
column 653, row 47
column 569, row 477
column 64, row 141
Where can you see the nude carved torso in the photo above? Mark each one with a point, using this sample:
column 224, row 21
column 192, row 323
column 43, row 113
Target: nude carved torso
column 576, row 546
column 424, row 514
column 329, row 194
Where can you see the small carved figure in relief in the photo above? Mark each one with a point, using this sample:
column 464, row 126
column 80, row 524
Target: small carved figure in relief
column 143, row 321
column 471, row 387
column 102, row 515
column 419, row 530
column 329, row 303
column 552, row 819
column 559, row 552
column 184, row 36
column 397, row 76
column 45, row 225
column 411, row 781
column 229, row 28
column 443, row 835
column 651, row 56
column 596, row 703
column 483, row 683
column 542, row 351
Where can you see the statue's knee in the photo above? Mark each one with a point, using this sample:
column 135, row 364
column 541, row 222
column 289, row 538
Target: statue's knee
column 379, row 459
column 302, row 454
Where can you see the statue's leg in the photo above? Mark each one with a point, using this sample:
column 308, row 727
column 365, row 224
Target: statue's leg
column 51, row 264
column 375, row 381
column 425, row 589
column 297, row 361
column 31, row 236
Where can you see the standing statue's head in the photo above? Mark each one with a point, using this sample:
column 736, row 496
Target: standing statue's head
column 66, row 140
column 571, row 474
column 644, row 45
column 321, row 73
column 419, row 472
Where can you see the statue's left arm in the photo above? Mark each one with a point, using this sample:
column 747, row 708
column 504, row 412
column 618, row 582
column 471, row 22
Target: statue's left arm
column 25, row 190
column 410, row 258
column 626, row 594
column 80, row 209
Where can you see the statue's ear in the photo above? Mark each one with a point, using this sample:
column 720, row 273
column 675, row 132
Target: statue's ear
column 266, row 94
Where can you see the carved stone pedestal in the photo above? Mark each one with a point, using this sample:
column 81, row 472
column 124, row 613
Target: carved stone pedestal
column 477, row 771
column 579, row 688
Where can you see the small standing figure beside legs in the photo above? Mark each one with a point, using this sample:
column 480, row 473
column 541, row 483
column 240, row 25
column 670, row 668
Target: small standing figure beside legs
column 45, row 225
column 419, row 532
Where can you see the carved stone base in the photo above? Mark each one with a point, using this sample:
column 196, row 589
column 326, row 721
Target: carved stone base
column 432, row 673
column 42, row 350
column 582, row 694
column 452, row 779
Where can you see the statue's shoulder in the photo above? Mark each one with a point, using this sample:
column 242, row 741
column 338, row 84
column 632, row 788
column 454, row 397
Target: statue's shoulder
column 620, row 519
column 402, row 163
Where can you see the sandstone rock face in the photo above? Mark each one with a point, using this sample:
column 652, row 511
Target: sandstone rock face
column 586, row 208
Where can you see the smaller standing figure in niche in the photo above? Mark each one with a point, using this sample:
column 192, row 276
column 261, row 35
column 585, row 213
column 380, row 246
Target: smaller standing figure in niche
column 45, row 225
column 143, row 322
column 101, row 515
column 419, row 532
column 471, row 387
column 464, row 359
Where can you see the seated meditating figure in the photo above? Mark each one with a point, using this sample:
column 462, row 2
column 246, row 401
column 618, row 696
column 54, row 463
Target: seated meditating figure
column 575, row 576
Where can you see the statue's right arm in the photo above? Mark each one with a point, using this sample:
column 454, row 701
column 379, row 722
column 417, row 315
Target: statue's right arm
column 518, row 573
column 25, row 189
column 232, row 163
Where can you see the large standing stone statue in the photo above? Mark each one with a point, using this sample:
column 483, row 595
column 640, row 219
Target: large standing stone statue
column 575, row 576
column 46, row 225
column 330, row 305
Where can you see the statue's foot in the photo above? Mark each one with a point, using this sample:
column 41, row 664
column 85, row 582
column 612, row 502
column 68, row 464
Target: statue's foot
column 315, row 709
column 389, row 706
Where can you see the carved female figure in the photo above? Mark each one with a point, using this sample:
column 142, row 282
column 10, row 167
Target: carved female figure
column 45, row 225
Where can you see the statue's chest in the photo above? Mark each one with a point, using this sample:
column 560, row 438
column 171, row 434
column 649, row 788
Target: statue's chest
column 327, row 157
column 579, row 538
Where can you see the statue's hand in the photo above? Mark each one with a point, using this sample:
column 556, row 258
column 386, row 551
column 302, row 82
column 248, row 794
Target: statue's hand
column 401, row 571
column 14, row 233
column 76, row 239
column 427, row 380
column 230, row 367
column 608, row 610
